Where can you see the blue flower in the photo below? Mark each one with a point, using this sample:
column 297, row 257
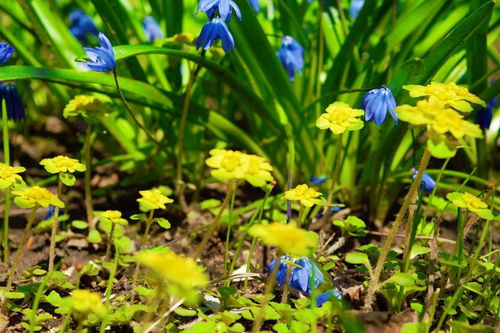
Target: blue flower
column 14, row 104
column 377, row 102
column 291, row 55
column 300, row 277
column 326, row 296
column 333, row 210
column 355, row 8
column 317, row 180
column 81, row 25
column 5, row 52
column 225, row 7
column 255, row 5
column 427, row 184
column 100, row 59
column 151, row 29
column 485, row 115
column 212, row 31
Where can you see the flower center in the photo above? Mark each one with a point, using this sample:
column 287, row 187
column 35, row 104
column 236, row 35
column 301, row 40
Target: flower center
column 230, row 161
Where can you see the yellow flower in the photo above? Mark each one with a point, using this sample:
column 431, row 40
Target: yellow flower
column 306, row 195
column 85, row 106
column 227, row 164
column 153, row 199
column 287, row 237
column 86, row 302
column 9, row 175
column 340, row 117
column 114, row 216
column 60, row 164
column 36, row 196
column 175, row 269
column 183, row 38
column 456, row 97
column 466, row 200
column 257, row 170
column 438, row 117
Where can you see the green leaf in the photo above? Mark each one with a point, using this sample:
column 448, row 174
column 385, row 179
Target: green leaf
column 183, row 312
column 13, row 294
column 94, row 237
column 79, row 224
column 164, row 223
column 357, row 258
column 137, row 217
column 441, row 149
column 403, row 280
column 67, row 179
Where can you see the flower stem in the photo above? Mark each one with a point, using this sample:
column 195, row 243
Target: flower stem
column 6, row 156
column 55, row 222
column 215, row 222
column 228, row 235
column 392, row 234
column 17, row 256
column 259, row 318
column 131, row 113
column 88, row 173
column 284, row 296
column 335, row 176
column 109, row 288
column 149, row 222
column 110, row 242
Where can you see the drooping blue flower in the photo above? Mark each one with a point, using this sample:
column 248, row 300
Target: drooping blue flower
column 327, row 296
column 13, row 102
column 212, row 31
column 300, row 277
column 255, row 4
column 80, row 25
column 333, row 210
column 485, row 115
column 151, row 28
column 377, row 102
column 225, row 7
column 291, row 55
column 317, row 180
column 355, row 8
column 5, row 52
column 100, row 59
column 427, row 184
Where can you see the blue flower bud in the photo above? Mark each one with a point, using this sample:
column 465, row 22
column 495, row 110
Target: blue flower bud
column 291, row 55
column 377, row 102
column 151, row 29
column 5, row 52
column 212, row 31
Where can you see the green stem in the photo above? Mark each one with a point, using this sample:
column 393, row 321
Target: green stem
column 215, row 223
column 284, row 297
column 39, row 293
column 149, row 222
column 131, row 113
column 17, row 256
column 342, row 17
column 6, row 155
column 335, row 176
column 392, row 234
column 55, row 222
column 109, row 288
column 110, row 242
column 228, row 234
column 88, row 173
column 259, row 318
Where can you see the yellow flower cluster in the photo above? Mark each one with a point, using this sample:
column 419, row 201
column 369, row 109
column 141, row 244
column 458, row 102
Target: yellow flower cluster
column 9, row 176
column 175, row 269
column 62, row 164
column 305, row 195
column 340, row 117
column 36, row 196
column 153, row 199
column 85, row 106
column 114, row 216
column 290, row 239
column 452, row 95
column 86, row 302
column 467, row 201
column 234, row 165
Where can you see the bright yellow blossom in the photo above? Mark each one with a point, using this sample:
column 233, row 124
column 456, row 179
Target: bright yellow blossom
column 114, row 216
column 290, row 239
column 9, row 175
column 62, row 164
column 456, row 97
column 340, row 117
column 153, row 199
column 181, row 271
column 36, row 196
column 86, row 302
column 438, row 117
column 85, row 106
column 306, row 195
column 466, row 200
column 257, row 170
column 233, row 165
